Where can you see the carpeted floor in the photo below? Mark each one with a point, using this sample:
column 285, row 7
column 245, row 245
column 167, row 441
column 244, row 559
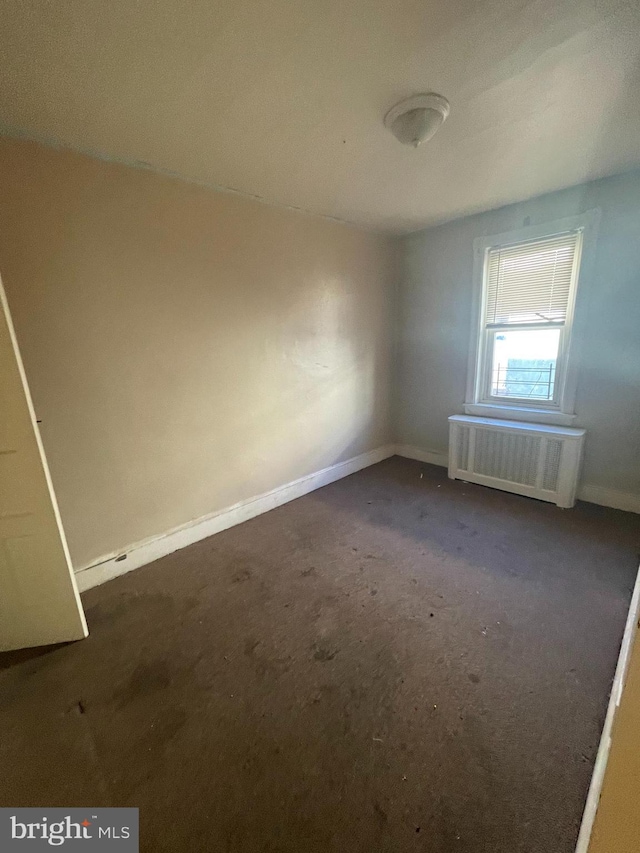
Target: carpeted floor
column 395, row 662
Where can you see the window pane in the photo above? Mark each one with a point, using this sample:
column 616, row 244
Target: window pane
column 524, row 364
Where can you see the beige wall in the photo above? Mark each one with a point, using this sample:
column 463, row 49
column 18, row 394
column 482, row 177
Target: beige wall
column 435, row 322
column 185, row 349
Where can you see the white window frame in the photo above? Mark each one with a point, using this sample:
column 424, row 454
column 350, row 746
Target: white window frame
column 560, row 410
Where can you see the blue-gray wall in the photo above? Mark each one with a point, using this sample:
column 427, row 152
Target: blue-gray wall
column 434, row 322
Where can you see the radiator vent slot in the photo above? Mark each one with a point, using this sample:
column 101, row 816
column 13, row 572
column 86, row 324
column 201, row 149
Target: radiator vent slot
column 463, row 448
column 535, row 460
column 507, row 456
column 552, row 463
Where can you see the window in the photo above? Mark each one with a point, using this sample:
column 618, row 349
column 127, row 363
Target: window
column 521, row 363
column 529, row 289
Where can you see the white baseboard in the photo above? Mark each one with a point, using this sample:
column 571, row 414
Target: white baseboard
column 433, row 457
column 141, row 553
column 590, row 494
column 597, row 779
column 609, row 497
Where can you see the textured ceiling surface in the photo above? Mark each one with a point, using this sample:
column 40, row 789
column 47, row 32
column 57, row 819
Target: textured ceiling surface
column 285, row 99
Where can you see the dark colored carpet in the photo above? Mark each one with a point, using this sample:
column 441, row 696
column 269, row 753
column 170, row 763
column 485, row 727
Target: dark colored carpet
column 393, row 663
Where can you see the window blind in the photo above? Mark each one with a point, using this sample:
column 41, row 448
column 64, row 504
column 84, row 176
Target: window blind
column 531, row 282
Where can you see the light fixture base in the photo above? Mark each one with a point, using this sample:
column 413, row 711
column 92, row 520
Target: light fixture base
column 416, row 119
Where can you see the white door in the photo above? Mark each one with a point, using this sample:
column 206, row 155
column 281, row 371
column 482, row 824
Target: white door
column 39, row 601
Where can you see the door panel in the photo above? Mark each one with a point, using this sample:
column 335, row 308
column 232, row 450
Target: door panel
column 39, row 601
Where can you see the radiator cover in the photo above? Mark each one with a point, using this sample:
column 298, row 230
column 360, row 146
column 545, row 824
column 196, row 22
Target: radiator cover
column 535, row 460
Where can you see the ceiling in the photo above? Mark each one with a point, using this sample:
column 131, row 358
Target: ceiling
column 285, row 99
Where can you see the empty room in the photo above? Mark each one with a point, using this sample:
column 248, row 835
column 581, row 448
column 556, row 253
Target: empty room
column 320, row 426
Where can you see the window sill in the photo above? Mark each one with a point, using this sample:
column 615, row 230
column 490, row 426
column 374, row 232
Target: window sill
column 519, row 413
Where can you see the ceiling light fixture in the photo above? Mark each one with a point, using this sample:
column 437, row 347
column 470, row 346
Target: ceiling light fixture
column 416, row 119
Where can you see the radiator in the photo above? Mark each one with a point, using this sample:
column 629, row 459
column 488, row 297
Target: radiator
column 535, row 460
